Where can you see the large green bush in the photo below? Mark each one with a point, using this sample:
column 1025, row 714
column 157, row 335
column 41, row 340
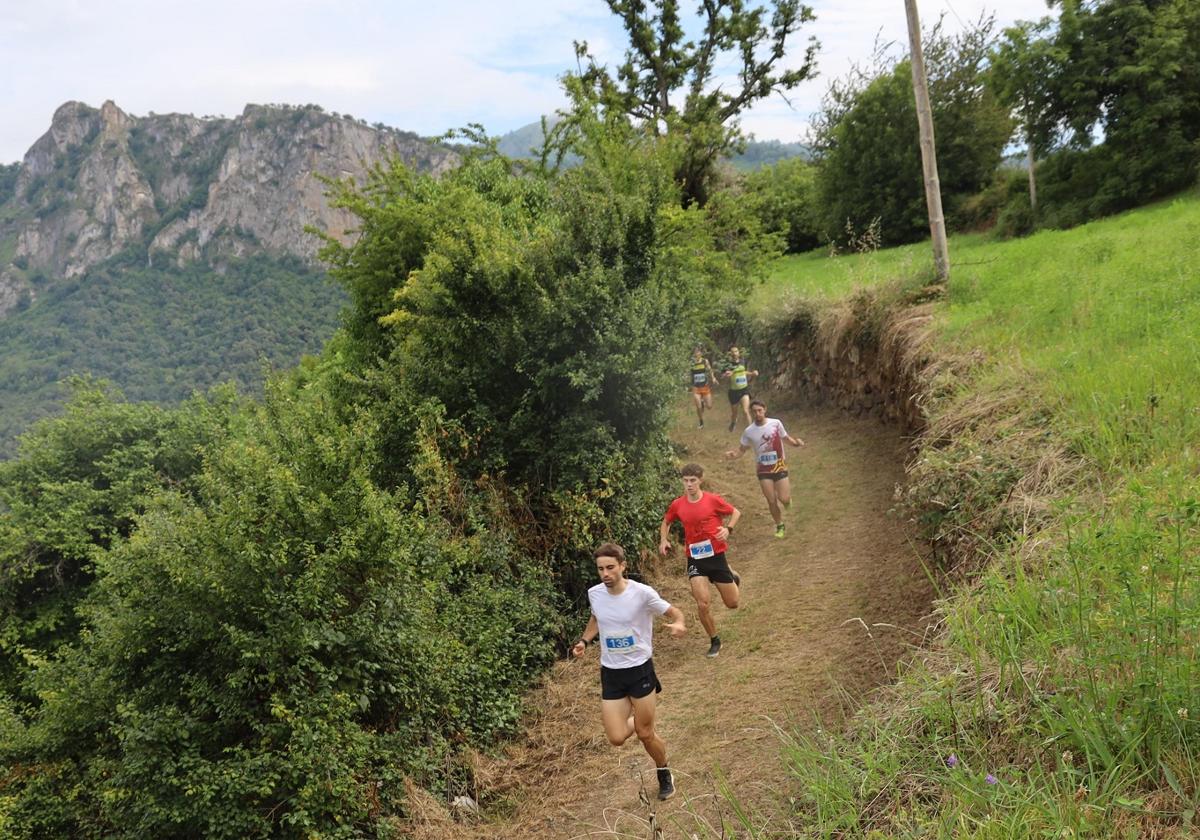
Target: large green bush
column 356, row 581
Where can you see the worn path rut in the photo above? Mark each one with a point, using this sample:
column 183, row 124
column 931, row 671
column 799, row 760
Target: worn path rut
column 827, row 613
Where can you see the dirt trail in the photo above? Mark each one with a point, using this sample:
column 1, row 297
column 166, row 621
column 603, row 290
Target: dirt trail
column 797, row 650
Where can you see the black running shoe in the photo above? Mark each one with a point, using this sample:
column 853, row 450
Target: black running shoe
column 732, row 423
column 666, row 784
column 714, row 648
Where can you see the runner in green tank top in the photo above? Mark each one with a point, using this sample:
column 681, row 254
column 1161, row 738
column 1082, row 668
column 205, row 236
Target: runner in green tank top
column 737, row 371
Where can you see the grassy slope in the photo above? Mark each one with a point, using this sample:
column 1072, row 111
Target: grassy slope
column 1068, row 668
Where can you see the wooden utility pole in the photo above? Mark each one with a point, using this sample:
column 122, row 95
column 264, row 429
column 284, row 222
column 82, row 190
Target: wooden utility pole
column 933, row 189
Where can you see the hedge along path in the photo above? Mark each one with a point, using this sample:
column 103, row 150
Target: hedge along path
column 826, row 615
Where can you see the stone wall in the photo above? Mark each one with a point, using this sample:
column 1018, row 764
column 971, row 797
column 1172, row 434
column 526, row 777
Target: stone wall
column 856, row 357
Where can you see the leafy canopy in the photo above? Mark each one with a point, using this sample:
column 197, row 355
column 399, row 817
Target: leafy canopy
column 672, row 84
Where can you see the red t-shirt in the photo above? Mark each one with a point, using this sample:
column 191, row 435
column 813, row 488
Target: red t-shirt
column 700, row 519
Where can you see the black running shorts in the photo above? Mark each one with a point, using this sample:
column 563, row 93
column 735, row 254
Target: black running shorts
column 736, row 396
column 779, row 476
column 714, row 568
column 635, row 682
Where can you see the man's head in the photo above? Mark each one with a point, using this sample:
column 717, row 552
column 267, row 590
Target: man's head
column 697, row 353
column 758, row 410
column 691, row 474
column 610, row 564
column 735, row 353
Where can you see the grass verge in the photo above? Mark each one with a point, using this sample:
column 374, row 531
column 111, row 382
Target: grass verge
column 1061, row 467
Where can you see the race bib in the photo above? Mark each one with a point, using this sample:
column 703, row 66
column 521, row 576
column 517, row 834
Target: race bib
column 620, row 640
column 699, row 378
column 701, row 550
column 741, row 380
column 768, row 458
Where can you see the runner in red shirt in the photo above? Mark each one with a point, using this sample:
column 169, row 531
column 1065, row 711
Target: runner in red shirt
column 704, row 534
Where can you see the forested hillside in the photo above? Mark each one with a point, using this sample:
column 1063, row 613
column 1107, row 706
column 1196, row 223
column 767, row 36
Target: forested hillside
column 160, row 334
column 169, row 252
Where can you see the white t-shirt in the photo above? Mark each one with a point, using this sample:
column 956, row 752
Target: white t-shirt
column 626, row 622
column 767, row 442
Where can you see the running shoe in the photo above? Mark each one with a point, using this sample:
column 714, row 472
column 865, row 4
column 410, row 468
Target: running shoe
column 779, row 531
column 737, row 579
column 701, row 424
column 714, row 648
column 666, row 784
column 732, row 423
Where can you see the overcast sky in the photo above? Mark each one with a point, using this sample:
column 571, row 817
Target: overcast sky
column 418, row 66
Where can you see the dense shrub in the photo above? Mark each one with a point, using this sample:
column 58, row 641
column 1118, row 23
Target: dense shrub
column 357, row 581
column 783, row 197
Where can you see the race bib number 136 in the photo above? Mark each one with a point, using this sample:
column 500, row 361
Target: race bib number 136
column 621, row 640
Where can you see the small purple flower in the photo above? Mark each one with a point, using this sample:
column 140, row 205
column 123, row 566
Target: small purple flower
column 990, row 779
column 952, row 760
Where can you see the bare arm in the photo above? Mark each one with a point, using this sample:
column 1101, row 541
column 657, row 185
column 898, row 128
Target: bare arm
column 733, row 454
column 728, row 526
column 675, row 621
column 590, row 632
column 794, row 441
column 664, row 538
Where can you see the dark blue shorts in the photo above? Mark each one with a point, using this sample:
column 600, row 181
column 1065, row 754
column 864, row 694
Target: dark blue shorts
column 715, row 568
column 635, row 682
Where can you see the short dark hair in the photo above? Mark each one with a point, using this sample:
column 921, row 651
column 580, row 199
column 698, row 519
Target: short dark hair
column 691, row 469
column 609, row 549
column 757, row 402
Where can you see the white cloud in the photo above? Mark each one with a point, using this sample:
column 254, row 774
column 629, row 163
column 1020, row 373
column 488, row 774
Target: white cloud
column 418, row 66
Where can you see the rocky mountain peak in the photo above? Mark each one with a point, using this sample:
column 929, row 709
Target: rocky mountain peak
column 177, row 188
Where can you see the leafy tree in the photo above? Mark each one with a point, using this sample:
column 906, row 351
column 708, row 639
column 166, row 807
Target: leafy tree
column 74, row 490
column 1024, row 68
column 668, row 83
column 548, row 333
column 783, row 196
column 274, row 653
column 1131, row 71
column 867, row 145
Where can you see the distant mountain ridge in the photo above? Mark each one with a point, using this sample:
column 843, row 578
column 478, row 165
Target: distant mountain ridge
column 176, row 188
column 520, row 143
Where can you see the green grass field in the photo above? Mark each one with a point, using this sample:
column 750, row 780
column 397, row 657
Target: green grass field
column 1063, row 700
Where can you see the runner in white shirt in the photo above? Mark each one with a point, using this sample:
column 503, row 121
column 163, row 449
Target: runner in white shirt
column 623, row 614
column 766, row 437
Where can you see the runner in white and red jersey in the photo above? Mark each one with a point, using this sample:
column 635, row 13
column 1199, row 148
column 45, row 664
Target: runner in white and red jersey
column 766, row 437
column 704, row 534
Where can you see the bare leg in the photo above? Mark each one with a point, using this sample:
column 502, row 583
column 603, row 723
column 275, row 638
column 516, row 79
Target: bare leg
column 730, row 595
column 744, row 402
column 643, row 716
column 783, row 492
column 618, row 720
column 703, row 604
column 768, row 491
column 699, row 403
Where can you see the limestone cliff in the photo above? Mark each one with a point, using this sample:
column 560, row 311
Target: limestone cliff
column 177, row 188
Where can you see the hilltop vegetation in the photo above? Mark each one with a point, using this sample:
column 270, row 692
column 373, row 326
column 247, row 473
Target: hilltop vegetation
column 1058, row 476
